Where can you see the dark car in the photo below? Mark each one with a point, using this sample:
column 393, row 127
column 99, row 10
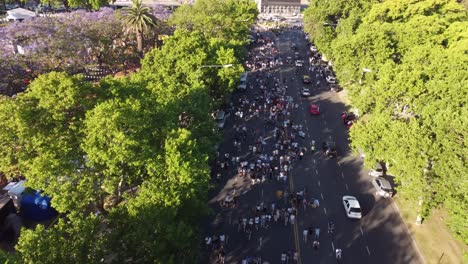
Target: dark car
column 306, row 79
column 348, row 119
column 329, row 149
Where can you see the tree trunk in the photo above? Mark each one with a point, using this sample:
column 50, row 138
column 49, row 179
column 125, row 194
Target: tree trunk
column 139, row 36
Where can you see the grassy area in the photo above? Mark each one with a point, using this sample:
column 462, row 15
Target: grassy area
column 437, row 245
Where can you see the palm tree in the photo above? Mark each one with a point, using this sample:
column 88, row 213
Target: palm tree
column 138, row 19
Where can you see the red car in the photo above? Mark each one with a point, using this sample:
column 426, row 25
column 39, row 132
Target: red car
column 314, row 109
column 348, row 119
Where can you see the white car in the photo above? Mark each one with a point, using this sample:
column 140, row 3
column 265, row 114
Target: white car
column 383, row 187
column 305, row 92
column 299, row 63
column 352, row 207
column 313, row 48
column 331, row 79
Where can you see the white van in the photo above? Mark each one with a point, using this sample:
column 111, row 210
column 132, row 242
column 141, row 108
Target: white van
column 243, row 82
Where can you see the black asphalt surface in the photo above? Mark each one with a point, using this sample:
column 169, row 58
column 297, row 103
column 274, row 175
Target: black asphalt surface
column 379, row 237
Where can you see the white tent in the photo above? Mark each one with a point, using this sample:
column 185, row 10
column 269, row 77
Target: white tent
column 19, row 14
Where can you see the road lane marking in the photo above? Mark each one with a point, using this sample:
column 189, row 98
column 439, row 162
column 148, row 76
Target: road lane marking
column 321, row 194
column 295, row 231
column 325, row 122
column 342, row 175
column 333, row 246
column 362, row 233
column 314, row 161
column 319, row 183
column 346, row 185
column 329, row 138
column 316, row 171
column 368, row 251
column 325, row 210
column 339, row 164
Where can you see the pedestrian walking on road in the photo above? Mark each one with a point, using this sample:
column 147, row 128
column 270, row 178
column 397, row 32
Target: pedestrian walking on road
column 305, row 234
column 338, row 254
column 316, row 245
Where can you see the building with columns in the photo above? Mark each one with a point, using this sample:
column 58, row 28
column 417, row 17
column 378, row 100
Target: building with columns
column 279, row 7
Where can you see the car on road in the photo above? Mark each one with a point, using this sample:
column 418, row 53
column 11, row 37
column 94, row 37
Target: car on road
column 306, row 79
column 330, row 79
column 243, row 82
column 299, row 63
column 305, row 92
column 220, row 119
column 329, row 149
column 383, row 187
column 289, row 60
column 377, row 171
column 352, row 207
column 313, row 48
column 314, row 109
column 294, row 46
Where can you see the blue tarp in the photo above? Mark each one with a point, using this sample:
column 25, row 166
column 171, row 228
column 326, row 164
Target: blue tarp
column 37, row 207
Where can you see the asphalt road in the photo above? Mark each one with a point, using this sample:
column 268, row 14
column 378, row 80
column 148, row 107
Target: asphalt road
column 379, row 237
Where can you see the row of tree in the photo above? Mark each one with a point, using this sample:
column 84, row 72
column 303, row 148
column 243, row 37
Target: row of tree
column 126, row 160
column 404, row 64
column 73, row 41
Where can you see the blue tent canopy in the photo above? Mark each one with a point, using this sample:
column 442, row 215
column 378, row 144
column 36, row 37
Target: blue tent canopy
column 37, row 207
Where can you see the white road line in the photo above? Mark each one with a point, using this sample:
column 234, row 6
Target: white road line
column 314, row 161
column 339, row 164
column 321, row 194
column 368, row 251
column 333, row 246
column 329, row 138
column 316, row 171
column 346, row 185
column 325, row 122
column 319, row 183
column 325, row 210
column 342, row 175
column 362, row 233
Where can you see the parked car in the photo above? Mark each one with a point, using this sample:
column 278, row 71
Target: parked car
column 306, row 79
column 289, row 60
column 299, row 63
column 314, row 109
column 305, row 92
column 331, row 79
column 348, row 119
column 377, row 171
column 294, row 46
column 243, row 82
column 313, row 48
column 352, row 207
column 383, row 187
column 220, row 119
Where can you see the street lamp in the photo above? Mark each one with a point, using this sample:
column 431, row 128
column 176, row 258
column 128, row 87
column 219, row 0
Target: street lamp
column 212, row 66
